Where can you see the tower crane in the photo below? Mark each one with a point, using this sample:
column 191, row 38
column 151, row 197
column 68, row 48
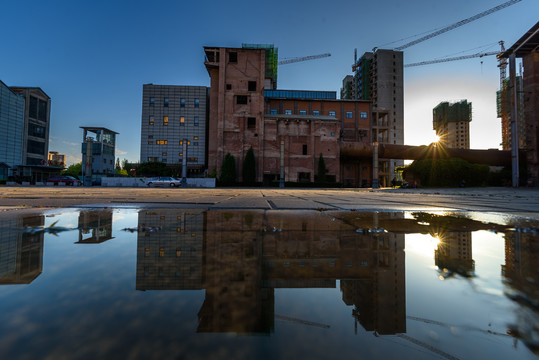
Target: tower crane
column 452, row 59
column 303, row 58
column 458, row 24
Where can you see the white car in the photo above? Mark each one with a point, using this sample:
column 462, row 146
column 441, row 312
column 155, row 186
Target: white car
column 164, row 182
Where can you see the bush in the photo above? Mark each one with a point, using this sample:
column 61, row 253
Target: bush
column 322, row 170
column 249, row 168
column 153, row 168
column 228, row 170
column 449, row 172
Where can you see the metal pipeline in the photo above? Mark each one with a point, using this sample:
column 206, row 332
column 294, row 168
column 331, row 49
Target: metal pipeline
column 408, row 152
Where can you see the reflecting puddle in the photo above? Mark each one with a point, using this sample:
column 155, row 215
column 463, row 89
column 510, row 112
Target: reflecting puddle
column 267, row 284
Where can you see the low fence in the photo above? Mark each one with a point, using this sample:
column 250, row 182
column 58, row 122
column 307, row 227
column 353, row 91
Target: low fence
column 141, row 182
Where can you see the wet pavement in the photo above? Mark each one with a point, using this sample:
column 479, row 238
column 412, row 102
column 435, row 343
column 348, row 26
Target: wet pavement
column 518, row 202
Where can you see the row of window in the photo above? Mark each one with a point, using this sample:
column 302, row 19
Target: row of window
column 37, row 109
column 155, row 158
column 349, row 114
column 165, row 142
column 151, row 120
column 182, row 102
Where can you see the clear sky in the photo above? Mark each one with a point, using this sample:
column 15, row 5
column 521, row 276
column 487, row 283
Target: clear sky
column 92, row 57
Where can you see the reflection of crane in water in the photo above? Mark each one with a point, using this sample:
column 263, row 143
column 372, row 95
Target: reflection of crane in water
column 434, row 349
column 301, row 321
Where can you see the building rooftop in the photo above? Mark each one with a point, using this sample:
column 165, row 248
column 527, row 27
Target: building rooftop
column 93, row 129
column 526, row 44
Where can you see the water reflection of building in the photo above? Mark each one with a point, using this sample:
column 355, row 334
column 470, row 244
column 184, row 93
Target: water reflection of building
column 170, row 258
column 522, row 262
column 240, row 257
column 454, row 253
column 95, row 226
column 21, row 254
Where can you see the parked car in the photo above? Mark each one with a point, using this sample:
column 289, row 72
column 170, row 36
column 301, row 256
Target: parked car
column 68, row 180
column 164, row 181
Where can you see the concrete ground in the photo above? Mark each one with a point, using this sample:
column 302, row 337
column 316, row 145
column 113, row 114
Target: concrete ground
column 515, row 202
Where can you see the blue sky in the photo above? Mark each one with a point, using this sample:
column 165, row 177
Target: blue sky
column 92, row 57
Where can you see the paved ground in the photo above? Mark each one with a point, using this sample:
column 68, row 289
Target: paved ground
column 521, row 202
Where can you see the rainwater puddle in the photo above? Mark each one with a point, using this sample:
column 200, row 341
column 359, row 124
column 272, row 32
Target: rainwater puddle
column 195, row 284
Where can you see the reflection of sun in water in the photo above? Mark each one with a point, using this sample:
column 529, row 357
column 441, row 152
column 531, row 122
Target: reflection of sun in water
column 422, row 244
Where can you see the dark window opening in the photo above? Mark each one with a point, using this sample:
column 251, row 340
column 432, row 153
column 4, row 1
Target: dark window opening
column 165, row 102
column 251, row 123
column 228, row 86
column 251, row 86
column 32, row 110
column 35, row 147
column 241, row 100
column 304, row 149
column 197, row 103
column 233, row 57
column 182, row 102
column 152, row 101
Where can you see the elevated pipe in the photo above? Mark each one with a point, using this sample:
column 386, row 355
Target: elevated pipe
column 408, row 152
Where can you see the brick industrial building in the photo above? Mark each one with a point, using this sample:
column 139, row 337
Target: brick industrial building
column 246, row 111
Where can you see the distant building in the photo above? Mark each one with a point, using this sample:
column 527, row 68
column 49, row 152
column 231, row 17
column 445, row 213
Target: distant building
column 56, row 159
column 98, row 153
column 348, row 89
column 378, row 77
column 172, row 115
column 452, row 124
column 11, row 130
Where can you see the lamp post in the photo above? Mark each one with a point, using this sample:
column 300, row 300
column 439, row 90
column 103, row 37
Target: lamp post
column 375, row 184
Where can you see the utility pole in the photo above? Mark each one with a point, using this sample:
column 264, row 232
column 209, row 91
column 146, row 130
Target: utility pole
column 514, row 121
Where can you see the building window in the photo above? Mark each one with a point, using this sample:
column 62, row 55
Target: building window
column 349, row 115
column 195, row 137
column 241, row 99
column 152, row 101
column 332, row 113
column 195, row 143
column 151, row 120
column 251, row 86
column 182, row 120
column 251, row 123
column 150, row 142
column 228, row 86
column 165, row 120
column 161, row 252
column 195, row 122
column 304, row 149
column 152, row 159
column 273, row 111
column 182, row 102
column 36, row 130
column 363, row 115
column 35, row 147
column 104, row 161
column 161, row 142
column 164, row 154
column 288, row 112
column 316, row 112
column 146, row 251
column 32, row 108
column 165, row 102
column 303, row 112
column 232, row 57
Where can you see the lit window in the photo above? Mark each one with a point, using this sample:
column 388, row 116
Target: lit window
column 316, row 112
column 151, row 120
column 152, row 101
column 165, row 120
column 195, row 137
column 273, row 111
column 182, row 102
column 363, row 115
column 165, row 102
column 195, row 122
column 164, row 154
column 288, row 112
column 150, row 142
column 182, row 120
column 303, row 112
column 332, row 113
column 178, row 251
column 197, row 103
column 161, row 252
column 146, row 251
column 349, row 115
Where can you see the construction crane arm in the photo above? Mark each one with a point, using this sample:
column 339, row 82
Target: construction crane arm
column 451, row 59
column 458, row 24
column 304, row 58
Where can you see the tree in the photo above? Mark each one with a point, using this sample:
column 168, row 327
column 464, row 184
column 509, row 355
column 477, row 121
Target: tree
column 228, row 170
column 153, row 168
column 321, row 174
column 249, row 168
column 73, row 170
column 118, row 166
